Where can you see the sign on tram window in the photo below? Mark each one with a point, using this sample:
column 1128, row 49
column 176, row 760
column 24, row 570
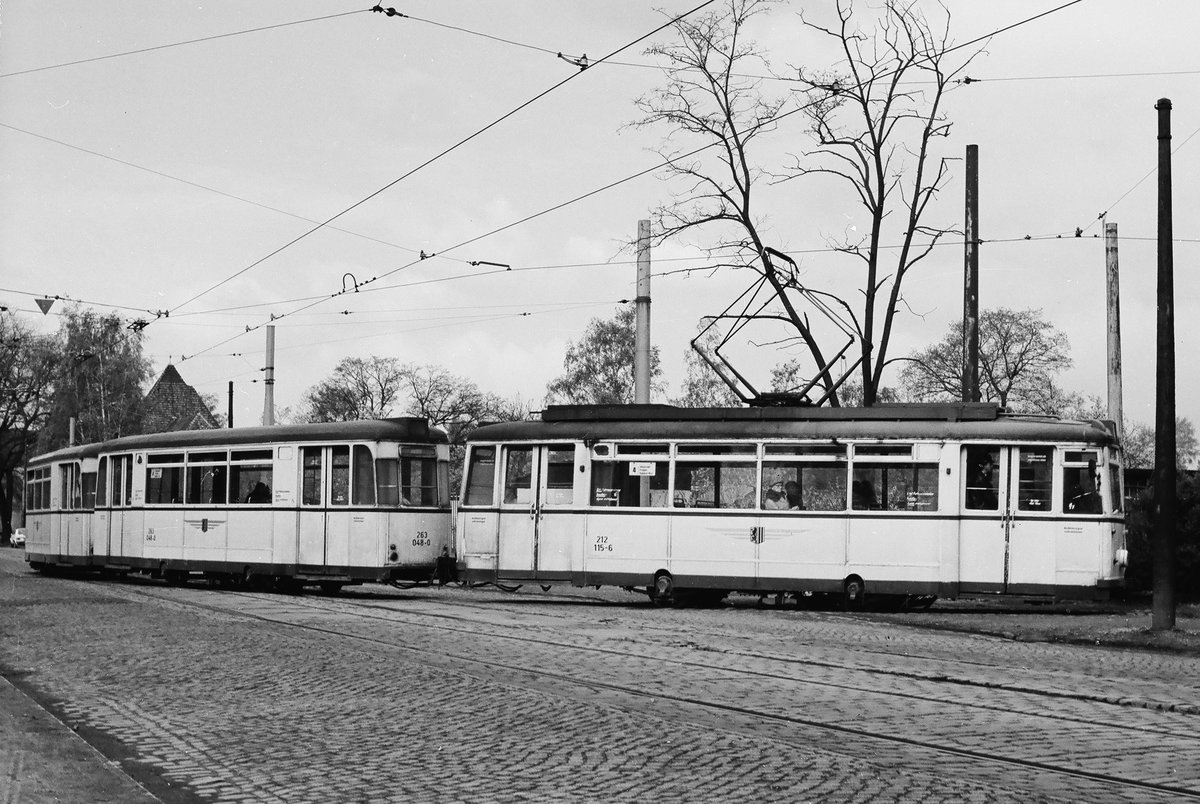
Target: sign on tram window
column 894, row 487
column 1035, row 478
column 618, row 484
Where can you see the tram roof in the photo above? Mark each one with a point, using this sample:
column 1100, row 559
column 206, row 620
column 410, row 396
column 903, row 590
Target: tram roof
column 974, row 421
column 411, row 428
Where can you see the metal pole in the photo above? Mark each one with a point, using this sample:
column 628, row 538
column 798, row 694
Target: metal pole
column 269, row 395
column 1116, row 408
column 641, row 360
column 970, row 375
column 230, row 422
column 1163, row 614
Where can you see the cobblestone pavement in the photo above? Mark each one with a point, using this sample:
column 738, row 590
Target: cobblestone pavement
column 445, row 695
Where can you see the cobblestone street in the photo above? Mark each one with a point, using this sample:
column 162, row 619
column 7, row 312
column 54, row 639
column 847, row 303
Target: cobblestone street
column 449, row 694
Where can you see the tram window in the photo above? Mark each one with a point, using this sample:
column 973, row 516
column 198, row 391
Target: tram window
column 102, row 483
column 620, row 484
column 37, row 489
column 418, row 480
column 364, row 476
column 982, row 478
column 72, row 494
column 808, row 486
column 481, row 476
column 717, row 449
column 252, row 455
column 895, row 487
column 251, row 483
column 1081, row 486
column 127, row 497
column 883, row 449
column 387, row 482
column 165, row 458
column 1034, row 478
column 310, row 482
column 1114, row 487
column 206, row 484
column 560, row 475
column 89, row 490
column 164, row 484
column 714, row 485
column 518, row 475
column 807, row 450
column 642, row 449
column 339, row 476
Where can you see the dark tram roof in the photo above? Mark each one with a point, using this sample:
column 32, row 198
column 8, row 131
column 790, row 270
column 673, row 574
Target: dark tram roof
column 411, row 428
column 973, row 421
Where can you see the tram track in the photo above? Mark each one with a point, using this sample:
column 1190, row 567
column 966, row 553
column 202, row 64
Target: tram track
column 298, row 612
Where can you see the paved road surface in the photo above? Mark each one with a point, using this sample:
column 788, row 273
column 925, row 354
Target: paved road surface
column 439, row 695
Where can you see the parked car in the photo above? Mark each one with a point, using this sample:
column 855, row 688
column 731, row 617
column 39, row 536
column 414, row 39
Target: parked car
column 18, row 537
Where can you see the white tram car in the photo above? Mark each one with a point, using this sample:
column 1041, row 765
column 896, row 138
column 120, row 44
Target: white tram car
column 908, row 500
column 328, row 504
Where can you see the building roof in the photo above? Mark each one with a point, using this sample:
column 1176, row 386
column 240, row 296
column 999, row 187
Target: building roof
column 172, row 405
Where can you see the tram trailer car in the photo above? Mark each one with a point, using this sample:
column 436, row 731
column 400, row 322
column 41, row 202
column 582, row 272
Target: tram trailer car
column 329, row 504
column 912, row 501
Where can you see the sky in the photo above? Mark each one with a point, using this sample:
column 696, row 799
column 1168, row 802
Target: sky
column 145, row 172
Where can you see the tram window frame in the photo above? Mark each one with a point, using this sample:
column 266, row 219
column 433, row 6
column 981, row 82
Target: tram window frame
column 1116, row 492
column 722, row 475
column 339, row 474
column 981, row 477
column 199, row 467
column 821, row 451
column 102, row 482
column 418, row 476
column 820, row 485
column 479, row 487
column 71, row 492
column 560, row 474
column 895, row 486
column 1035, row 479
column 89, row 491
column 618, row 483
column 1082, row 483
column 37, row 485
column 165, row 478
column 363, row 475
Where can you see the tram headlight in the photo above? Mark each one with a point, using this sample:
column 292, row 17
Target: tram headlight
column 392, row 554
column 1121, row 557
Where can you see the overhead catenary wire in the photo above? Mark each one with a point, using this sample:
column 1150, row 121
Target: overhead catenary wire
column 179, row 44
column 438, row 156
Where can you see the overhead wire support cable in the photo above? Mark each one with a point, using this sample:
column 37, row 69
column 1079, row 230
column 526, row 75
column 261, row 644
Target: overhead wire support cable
column 179, row 44
column 588, row 194
column 438, row 156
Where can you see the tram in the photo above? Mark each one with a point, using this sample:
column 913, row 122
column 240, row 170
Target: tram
column 912, row 501
column 328, row 504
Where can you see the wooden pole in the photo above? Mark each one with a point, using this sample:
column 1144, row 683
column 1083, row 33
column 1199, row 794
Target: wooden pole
column 1116, row 409
column 1165, row 508
column 641, row 359
column 970, row 374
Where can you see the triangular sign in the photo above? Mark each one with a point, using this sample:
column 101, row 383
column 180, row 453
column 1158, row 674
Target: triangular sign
column 45, row 304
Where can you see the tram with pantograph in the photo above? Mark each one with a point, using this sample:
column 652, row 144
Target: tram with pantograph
column 913, row 502
column 311, row 504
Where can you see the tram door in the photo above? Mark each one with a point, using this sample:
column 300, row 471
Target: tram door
column 1006, row 540
column 119, row 516
column 538, row 532
column 324, row 526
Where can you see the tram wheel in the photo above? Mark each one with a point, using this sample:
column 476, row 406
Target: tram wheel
column 331, row 587
column 854, row 593
column 663, row 591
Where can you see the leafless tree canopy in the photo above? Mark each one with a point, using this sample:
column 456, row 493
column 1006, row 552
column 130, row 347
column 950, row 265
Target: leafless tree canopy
column 873, row 124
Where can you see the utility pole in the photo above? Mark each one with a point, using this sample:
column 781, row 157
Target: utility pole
column 230, row 422
column 970, row 369
column 269, row 380
column 1165, row 508
column 641, row 358
column 1116, row 409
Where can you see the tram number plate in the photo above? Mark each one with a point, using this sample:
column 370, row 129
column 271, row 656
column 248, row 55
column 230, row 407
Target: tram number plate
column 602, row 545
column 422, row 539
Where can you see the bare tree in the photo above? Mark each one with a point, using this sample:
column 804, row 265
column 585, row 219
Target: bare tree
column 1020, row 356
column 870, row 128
column 876, row 122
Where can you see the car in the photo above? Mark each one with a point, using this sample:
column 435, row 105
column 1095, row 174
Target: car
column 18, row 537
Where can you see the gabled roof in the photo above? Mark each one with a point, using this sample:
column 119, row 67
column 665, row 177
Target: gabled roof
column 172, row 404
